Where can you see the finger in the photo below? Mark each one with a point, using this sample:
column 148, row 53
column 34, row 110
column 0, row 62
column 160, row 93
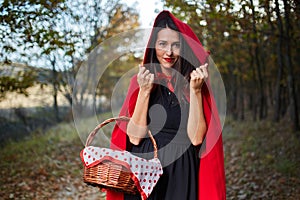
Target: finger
column 143, row 75
column 199, row 70
column 202, row 66
column 193, row 75
column 146, row 72
column 147, row 77
column 151, row 78
column 141, row 69
column 140, row 66
column 200, row 73
column 204, row 70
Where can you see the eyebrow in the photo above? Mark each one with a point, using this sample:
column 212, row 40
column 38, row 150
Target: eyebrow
column 167, row 41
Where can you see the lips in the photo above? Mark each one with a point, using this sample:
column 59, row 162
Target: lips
column 169, row 60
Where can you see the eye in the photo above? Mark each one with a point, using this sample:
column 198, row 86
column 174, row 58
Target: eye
column 162, row 43
column 176, row 45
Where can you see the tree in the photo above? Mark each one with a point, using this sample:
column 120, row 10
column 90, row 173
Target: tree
column 121, row 19
column 288, row 59
column 23, row 25
column 17, row 82
column 30, row 24
column 255, row 45
column 60, row 36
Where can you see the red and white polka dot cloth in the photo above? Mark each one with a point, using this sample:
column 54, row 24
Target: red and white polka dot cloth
column 144, row 173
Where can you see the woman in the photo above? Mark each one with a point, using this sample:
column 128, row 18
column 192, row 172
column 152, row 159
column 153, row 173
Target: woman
column 170, row 87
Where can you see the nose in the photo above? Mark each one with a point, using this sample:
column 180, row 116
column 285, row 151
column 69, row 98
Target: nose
column 169, row 50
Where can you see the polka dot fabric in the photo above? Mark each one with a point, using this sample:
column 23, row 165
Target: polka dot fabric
column 145, row 173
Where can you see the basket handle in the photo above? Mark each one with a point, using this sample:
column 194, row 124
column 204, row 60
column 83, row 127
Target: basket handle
column 91, row 136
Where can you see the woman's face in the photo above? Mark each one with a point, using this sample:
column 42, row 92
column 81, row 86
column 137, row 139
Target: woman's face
column 167, row 48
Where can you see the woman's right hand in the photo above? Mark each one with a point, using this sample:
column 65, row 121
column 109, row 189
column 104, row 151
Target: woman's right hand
column 145, row 79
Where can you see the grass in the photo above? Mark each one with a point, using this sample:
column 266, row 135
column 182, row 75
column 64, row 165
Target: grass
column 44, row 163
column 261, row 162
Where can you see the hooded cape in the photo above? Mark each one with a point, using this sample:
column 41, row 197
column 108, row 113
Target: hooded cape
column 211, row 171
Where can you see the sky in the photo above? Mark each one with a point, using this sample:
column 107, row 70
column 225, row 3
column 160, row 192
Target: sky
column 146, row 10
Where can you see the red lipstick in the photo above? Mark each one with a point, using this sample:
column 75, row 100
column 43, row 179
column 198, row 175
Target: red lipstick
column 169, row 60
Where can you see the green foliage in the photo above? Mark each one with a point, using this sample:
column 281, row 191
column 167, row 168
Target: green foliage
column 57, row 35
column 18, row 83
column 243, row 38
column 26, row 20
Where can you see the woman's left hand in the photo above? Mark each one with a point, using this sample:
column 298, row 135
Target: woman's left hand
column 198, row 77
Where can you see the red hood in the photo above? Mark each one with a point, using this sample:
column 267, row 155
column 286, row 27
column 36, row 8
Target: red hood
column 211, row 171
column 187, row 33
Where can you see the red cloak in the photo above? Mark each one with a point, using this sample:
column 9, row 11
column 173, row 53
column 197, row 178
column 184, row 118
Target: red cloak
column 211, row 171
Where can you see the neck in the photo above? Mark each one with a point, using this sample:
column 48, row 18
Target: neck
column 167, row 72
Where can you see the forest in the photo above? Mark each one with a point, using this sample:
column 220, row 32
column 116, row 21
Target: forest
column 61, row 62
column 255, row 45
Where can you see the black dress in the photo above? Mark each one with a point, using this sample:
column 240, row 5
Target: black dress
column 167, row 120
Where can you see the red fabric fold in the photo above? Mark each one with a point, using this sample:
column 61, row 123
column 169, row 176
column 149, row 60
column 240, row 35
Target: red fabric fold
column 167, row 79
column 211, row 171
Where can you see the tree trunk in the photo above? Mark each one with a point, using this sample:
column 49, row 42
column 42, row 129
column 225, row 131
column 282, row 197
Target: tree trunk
column 232, row 92
column 265, row 81
column 239, row 87
column 279, row 49
column 55, row 89
column 252, row 91
column 290, row 72
column 241, row 101
column 261, row 96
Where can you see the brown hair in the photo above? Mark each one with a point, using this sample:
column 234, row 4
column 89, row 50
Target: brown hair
column 185, row 64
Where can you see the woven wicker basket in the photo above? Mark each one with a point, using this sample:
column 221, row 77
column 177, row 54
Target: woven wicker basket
column 108, row 174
